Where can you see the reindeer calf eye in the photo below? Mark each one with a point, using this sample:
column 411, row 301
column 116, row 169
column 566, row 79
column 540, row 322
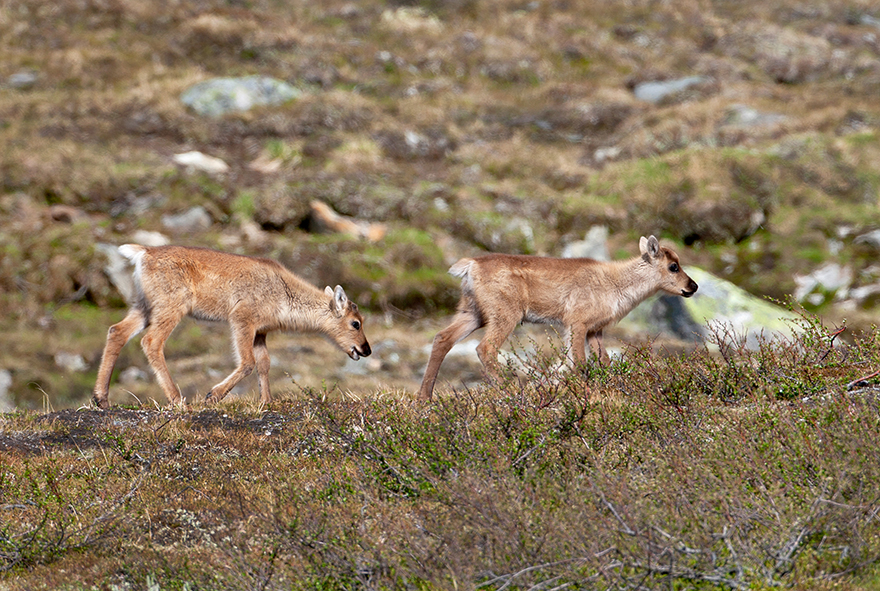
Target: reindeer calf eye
column 673, row 268
column 355, row 325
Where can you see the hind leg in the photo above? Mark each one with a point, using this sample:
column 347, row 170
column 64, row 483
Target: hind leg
column 464, row 323
column 119, row 334
column 261, row 353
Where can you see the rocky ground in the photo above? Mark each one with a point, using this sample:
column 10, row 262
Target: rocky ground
column 374, row 143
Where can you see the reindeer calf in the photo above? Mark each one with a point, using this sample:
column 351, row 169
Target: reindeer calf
column 254, row 295
column 499, row 291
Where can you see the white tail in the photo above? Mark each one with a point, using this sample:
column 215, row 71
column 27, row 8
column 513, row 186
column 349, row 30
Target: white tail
column 499, row 291
column 254, row 295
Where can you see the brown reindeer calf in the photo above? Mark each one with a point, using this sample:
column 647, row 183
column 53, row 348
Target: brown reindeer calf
column 254, row 295
column 499, row 291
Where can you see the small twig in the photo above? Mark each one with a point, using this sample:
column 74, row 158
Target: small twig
column 862, row 380
column 530, row 451
column 832, row 336
column 511, row 577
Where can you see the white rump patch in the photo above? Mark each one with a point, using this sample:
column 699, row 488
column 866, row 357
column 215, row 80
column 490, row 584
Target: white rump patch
column 463, row 269
column 135, row 253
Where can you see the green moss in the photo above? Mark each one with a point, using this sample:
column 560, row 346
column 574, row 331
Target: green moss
column 243, row 205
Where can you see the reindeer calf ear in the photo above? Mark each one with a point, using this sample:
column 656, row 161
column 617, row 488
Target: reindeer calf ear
column 329, row 291
column 340, row 297
column 649, row 246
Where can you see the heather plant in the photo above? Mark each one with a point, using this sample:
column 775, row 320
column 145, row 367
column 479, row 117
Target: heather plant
column 723, row 466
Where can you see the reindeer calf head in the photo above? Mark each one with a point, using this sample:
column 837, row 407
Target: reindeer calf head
column 347, row 328
column 672, row 278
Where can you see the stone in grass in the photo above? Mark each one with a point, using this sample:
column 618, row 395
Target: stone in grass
column 654, row 92
column 717, row 304
column 219, row 96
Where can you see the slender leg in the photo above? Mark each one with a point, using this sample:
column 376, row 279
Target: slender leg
column 117, row 336
column 243, row 338
column 497, row 331
column 595, row 339
column 261, row 353
column 577, row 354
column 464, row 323
column 153, row 345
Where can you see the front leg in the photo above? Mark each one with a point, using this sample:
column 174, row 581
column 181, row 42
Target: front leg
column 575, row 344
column 598, row 348
column 261, row 354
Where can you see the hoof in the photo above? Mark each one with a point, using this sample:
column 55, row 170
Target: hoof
column 101, row 404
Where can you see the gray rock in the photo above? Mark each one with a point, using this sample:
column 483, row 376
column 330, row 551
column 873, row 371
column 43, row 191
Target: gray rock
column 24, row 80
column 744, row 116
column 217, row 97
column 194, row 219
column 70, row 361
column 828, row 279
column 133, row 374
column 869, row 20
column 717, row 303
column 654, row 92
column 593, row 246
column 6, row 402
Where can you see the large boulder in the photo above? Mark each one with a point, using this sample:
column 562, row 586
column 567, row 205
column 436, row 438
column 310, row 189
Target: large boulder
column 717, row 305
column 217, row 97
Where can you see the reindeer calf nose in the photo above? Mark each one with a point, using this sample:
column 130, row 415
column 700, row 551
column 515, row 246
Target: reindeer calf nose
column 365, row 350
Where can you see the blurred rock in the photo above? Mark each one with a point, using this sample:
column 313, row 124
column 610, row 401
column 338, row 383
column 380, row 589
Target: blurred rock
column 431, row 144
column 324, row 220
column 66, row 214
column 70, row 361
column 147, row 238
column 828, row 280
column 254, row 234
column 718, row 304
column 194, row 219
column 217, row 97
column 23, row 80
column 6, row 403
column 866, row 19
column 593, row 246
column 132, row 374
column 744, row 116
column 135, row 205
column 865, row 295
column 411, row 20
column 654, row 92
column 202, row 162
column 708, row 217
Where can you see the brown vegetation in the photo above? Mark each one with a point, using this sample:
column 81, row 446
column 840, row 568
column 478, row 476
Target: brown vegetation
column 748, row 469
